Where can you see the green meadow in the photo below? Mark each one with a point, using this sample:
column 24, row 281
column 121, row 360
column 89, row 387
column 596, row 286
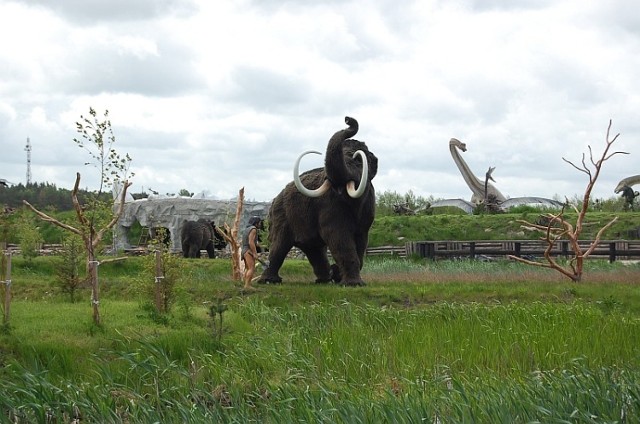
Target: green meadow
column 437, row 342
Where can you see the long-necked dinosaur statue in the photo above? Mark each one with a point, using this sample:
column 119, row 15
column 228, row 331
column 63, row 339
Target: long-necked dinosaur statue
column 628, row 182
column 476, row 185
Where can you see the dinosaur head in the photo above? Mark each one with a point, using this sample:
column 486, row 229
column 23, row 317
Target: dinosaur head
column 457, row 143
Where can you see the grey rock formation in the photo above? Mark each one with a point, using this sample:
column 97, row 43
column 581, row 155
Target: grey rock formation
column 171, row 213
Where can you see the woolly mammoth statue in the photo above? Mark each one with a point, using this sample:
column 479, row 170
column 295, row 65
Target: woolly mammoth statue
column 200, row 235
column 331, row 207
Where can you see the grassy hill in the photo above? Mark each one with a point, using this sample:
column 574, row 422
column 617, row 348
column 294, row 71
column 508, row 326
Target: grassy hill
column 396, row 230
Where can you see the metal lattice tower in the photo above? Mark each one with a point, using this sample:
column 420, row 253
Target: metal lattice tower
column 27, row 148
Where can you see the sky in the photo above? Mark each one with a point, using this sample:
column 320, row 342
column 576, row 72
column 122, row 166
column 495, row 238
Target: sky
column 215, row 95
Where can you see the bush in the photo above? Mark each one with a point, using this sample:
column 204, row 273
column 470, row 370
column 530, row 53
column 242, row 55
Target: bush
column 69, row 264
column 30, row 239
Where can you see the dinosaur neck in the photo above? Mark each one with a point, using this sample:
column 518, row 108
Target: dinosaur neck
column 629, row 182
column 472, row 181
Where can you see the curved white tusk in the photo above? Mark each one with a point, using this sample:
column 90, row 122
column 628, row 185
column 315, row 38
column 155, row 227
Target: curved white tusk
column 301, row 188
column 357, row 193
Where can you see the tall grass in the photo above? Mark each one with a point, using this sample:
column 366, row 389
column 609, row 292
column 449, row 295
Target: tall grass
column 350, row 363
column 423, row 342
column 573, row 394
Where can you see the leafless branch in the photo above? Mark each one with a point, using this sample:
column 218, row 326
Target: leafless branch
column 76, row 203
column 43, row 216
column 111, row 260
column 598, row 237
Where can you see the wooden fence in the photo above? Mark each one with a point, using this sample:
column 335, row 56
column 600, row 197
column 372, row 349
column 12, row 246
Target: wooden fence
column 447, row 249
column 609, row 249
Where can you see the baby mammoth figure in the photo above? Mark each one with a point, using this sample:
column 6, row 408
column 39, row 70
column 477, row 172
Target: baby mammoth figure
column 200, row 235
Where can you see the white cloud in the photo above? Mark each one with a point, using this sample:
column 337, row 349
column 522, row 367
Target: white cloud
column 219, row 95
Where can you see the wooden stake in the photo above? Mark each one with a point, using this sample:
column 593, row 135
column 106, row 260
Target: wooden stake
column 6, row 266
column 158, row 286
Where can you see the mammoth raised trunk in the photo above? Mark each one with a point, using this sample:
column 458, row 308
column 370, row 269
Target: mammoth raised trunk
column 327, row 209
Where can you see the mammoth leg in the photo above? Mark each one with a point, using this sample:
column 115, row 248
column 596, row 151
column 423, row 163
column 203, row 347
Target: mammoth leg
column 194, row 250
column 270, row 273
column 361, row 247
column 210, row 250
column 344, row 252
column 317, row 257
column 194, row 247
column 349, row 266
column 277, row 254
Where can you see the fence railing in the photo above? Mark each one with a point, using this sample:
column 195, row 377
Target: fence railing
column 609, row 249
column 442, row 249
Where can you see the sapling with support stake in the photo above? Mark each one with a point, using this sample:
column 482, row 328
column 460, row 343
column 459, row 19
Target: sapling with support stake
column 98, row 139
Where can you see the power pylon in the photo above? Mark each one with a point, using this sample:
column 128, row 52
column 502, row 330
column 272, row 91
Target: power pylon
column 27, row 148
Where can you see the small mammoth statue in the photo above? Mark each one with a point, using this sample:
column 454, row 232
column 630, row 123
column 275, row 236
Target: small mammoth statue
column 200, row 235
column 327, row 208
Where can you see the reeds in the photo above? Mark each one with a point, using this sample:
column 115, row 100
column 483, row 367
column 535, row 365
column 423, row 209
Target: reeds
column 159, row 390
column 346, row 362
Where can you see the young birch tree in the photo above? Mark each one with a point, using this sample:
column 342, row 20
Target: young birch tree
column 96, row 217
column 559, row 228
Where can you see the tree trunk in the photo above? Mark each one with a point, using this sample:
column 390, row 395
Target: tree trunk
column 95, row 288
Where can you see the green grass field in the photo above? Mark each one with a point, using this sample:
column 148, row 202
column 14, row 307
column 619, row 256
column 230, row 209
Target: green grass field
column 447, row 341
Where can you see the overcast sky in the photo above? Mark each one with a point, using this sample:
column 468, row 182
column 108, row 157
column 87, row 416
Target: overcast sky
column 215, row 95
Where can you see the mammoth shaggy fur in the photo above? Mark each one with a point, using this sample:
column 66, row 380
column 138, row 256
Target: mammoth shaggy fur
column 200, row 235
column 337, row 217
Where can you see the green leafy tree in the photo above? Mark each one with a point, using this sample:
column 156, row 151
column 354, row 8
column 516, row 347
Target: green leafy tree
column 388, row 201
column 29, row 237
column 6, row 224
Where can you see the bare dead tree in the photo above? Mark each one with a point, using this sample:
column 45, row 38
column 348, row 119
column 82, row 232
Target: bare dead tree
column 487, row 177
column 559, row 228
column 230, row 234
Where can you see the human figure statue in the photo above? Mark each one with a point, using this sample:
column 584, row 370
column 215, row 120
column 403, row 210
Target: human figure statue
column 250, row 249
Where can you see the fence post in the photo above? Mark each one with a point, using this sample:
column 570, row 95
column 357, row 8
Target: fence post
column 158, row 286
column 431, row 250
column 6, row 269
column 612, row 252
column 408, row 249
column 518, row 248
